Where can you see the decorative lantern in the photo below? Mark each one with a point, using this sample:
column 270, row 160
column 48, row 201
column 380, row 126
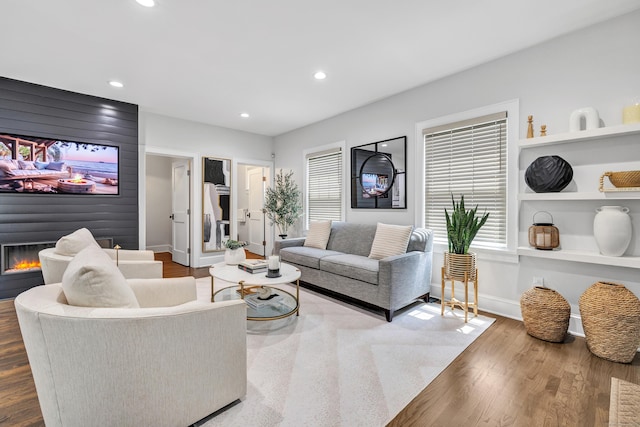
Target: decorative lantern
column 28, row 185
column 544, row 235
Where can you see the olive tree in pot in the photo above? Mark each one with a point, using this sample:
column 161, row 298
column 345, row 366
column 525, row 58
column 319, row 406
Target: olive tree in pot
column 462, row 227
column 282, row 203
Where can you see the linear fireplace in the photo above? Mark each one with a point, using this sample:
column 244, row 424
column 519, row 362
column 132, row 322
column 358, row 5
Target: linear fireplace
column 23, row 257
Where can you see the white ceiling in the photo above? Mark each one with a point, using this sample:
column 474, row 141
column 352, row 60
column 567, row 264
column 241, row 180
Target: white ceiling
column 210, row 60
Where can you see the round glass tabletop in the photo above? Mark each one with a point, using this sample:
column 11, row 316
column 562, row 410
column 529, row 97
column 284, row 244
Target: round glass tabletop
column 281, row 304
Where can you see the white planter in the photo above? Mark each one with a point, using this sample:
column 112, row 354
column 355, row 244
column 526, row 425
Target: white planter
column 612, row 230
column 234, row 256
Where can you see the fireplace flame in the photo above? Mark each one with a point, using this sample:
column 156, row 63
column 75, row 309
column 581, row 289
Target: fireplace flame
column 25, row 264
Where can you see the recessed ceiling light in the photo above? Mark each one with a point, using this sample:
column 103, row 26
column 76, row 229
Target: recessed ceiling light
column 116, row 83
column 244, row 115
column 320, row 75
column 147, row 3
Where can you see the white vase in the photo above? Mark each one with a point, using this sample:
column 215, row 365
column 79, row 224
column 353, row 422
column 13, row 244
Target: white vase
column 234, row 256
column 612, row 230
column 590, row 117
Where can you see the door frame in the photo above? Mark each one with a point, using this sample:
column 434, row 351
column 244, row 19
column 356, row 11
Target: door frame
column 142, row 191
column 269, row 166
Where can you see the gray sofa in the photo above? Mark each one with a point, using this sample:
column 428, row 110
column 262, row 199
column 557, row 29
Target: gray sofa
column 344, row 267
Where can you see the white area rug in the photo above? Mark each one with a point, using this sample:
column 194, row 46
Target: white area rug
column 338, row 365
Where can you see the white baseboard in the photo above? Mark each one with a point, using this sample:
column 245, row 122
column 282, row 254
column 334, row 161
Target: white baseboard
column 159, row 248
column 505, row 307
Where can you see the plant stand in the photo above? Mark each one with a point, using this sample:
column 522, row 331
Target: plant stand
column 453, row 302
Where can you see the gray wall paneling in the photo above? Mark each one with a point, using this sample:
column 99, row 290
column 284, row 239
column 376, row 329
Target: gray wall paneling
column 35, row 110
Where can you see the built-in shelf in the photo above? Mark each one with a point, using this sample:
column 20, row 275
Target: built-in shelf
column 581, row 256
column 584, row 135
column 596, row 195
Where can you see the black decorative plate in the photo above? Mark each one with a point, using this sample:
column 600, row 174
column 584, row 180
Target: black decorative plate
column 548, row 174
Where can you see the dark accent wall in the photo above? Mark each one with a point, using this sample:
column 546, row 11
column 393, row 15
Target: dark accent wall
column 35, row 110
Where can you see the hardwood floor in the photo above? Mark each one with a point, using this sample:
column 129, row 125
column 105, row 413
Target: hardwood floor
column 505, row 378
column 508, row 378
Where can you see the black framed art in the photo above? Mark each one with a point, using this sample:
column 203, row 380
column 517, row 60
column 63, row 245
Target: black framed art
column 378, row 172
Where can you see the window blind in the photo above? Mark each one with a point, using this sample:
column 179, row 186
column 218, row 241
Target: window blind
column 324, row 186
column 468, row 158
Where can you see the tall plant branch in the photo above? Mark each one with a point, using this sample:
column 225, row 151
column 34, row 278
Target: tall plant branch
column 282, row 202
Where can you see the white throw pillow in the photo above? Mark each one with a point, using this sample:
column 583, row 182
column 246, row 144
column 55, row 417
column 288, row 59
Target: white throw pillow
column 92, row 279
column 390, row 240
column 318, row 235
column 73, row 243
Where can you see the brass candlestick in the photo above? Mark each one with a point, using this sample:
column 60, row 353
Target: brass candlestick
column 117, row 247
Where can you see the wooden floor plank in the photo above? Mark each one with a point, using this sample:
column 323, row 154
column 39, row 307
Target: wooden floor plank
column 504, row 378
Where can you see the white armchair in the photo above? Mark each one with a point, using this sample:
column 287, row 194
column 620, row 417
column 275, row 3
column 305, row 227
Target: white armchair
column 171, row 362
column 132, row 263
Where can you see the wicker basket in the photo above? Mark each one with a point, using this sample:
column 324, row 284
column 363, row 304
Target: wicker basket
column 611, row 321
column 622, row 179
column 456, row 265
column 545, row 313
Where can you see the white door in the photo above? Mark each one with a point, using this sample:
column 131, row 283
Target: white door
column 180, row 211
column 255, row 215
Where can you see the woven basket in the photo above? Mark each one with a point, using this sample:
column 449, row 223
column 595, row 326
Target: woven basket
column 623, row 179
column 545, row 313
column 457, row 264
column 611, row 321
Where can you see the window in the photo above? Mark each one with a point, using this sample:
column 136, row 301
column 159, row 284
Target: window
column 468, row 158
column 324, row 185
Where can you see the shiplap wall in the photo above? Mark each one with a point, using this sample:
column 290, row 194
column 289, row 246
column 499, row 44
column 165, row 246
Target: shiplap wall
column 34, row 110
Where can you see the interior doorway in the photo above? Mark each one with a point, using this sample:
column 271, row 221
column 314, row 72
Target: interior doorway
column 168, row 205
column 252, row 224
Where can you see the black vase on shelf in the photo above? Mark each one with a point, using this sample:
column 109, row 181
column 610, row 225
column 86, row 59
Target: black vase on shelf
column 207, row 228
column 548, row 174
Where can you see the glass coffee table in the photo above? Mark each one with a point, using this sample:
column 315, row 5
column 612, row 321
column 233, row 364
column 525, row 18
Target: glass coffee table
column 249, row 283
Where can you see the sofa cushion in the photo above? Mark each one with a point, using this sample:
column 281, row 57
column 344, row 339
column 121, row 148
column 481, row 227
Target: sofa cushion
column 92, row 279
column 318, row 234
column 309, row 257
column 390, row 240
column 26, row 165
column 351, row 238
column 55, row 166
column 7, row 167
column 354, row 266
column 73, row 243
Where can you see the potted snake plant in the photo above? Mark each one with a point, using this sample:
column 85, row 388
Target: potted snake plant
column 462, row 226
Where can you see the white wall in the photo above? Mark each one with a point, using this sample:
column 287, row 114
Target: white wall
column 595, row 67
column 158, row 184
column 182, row 138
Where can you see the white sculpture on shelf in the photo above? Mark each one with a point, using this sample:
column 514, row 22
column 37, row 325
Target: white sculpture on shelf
column 590, row 116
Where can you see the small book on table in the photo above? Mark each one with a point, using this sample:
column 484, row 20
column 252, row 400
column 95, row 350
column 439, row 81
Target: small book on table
column 253, row 265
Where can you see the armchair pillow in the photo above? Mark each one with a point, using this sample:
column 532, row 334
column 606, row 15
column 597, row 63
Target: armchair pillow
column 93, row 280
column 73, row 243
column 390, row 240
column 318, row 234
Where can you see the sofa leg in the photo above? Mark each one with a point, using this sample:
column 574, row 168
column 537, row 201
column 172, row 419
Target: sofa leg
column 389, row 315
column 425, row 297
